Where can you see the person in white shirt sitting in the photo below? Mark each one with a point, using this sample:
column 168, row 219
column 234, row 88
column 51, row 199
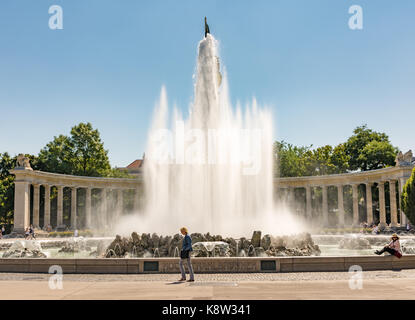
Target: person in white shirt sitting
column 394, row 247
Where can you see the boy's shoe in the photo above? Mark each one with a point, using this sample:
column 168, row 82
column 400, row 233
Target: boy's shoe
column 191, row 280
column 377, row 252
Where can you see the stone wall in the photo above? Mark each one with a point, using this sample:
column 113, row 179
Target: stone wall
column 210, row 265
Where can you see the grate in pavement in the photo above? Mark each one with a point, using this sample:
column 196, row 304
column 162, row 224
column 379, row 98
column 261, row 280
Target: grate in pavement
column 213, row 284
column 33, row 278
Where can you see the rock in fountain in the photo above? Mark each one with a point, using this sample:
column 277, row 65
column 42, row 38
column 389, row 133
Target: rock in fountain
column 408, row 246
column 25, row 249
column 211, row 248
column 75, row 245
column 256, row 239
column 354, row 242
column 207, row 245
column 297, row 245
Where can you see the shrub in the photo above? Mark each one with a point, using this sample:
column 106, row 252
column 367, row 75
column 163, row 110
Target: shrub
column 63, row 234
column 60, row 234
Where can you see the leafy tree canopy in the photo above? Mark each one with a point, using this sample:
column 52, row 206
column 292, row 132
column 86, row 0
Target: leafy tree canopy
column 304, row 161
column 82, row 153
column 364, row 150
column 369, row 150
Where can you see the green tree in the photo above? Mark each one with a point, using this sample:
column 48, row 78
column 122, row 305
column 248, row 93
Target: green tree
column 408, row 198
column 328, row 160
column 6, row 188
column 57, row 156
column 368, row 150
column 291, row 160
column 90, row 157
column 377, row 155
column 6, row 164
column 82, row 153
column 340, row 159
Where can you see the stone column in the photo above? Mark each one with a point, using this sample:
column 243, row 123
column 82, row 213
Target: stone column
column 369, row 206
column 47, row 205
column 60, row 206
column 120, row 203
column 21, row 206
column 36, row 204
column 284, row 194
column 394, row 210
column 325, row 207
column 73, row 208
column 308, row 202
column 104, row 207
column 404, row 220
column 88, row 208
column 136, row 200
column 382, row 207
column 355, row 205
column 340, row 204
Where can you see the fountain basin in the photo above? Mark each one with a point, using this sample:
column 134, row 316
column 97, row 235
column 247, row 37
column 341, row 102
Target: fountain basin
column 208, row 265
column 328, row 244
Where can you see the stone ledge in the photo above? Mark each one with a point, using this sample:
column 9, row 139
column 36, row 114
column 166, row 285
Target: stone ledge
column 210, row 265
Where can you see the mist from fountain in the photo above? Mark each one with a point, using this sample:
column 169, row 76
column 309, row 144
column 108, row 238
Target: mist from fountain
column 214, row 170
column 176, row 251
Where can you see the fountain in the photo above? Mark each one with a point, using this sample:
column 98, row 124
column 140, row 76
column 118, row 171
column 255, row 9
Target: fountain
column 24, row 249
column 211, row 171
column 210, row 246
column 253, row 251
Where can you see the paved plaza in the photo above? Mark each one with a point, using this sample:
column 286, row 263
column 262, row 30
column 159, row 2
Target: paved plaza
column 316, row 285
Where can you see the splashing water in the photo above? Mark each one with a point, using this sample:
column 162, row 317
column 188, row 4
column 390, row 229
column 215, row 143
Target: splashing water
column 211, row 172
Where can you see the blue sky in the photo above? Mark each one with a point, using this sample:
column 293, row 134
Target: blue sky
column 108, row 64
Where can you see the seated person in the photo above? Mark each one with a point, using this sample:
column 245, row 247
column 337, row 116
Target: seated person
column 394, row 247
